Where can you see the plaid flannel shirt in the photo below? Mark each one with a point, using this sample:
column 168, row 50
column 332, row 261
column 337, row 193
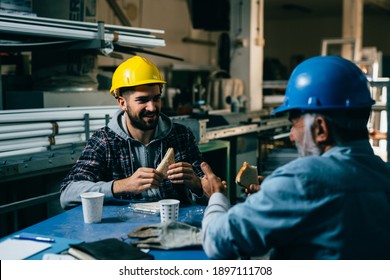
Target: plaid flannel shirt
column 107, row 157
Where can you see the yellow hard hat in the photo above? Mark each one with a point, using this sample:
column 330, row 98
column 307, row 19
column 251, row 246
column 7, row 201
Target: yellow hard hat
column 134, row 72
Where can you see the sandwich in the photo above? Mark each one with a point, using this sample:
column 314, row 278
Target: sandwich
column 168, row 159
column 247, row 175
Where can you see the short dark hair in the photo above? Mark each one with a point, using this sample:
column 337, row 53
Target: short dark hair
column 345, row 125
column 348, row 125
column 125, row 91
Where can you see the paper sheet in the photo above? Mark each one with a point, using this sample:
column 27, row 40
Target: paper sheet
column 57, row 257
column 14, row 249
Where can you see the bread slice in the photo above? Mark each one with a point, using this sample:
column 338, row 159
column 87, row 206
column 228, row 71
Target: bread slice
column 168, row 159
column 247, row 175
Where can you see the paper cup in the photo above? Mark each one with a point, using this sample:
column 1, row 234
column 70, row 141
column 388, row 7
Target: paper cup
column 92, row 206
column 169, row 210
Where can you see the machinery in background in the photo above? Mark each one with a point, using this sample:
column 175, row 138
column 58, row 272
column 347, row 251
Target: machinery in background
column 38, row 146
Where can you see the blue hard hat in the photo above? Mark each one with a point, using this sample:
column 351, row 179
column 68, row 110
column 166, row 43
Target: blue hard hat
column 326, row 83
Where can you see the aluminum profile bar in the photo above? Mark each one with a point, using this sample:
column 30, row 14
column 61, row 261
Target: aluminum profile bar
column 73, row 30
column 24, row 134
column 32, row 126
column 23, row 152
column 18, row 144
column 62, row 114
column 56, row 109
column 80, row 24
column 64, row 33
column 31, row 131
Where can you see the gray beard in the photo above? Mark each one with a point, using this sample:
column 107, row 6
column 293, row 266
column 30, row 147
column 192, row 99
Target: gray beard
column 308, row 147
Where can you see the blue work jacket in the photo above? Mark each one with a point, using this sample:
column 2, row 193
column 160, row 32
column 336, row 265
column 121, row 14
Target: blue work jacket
column 333, row 206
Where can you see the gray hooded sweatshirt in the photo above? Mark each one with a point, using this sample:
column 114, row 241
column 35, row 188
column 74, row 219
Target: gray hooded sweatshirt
column 112, row 154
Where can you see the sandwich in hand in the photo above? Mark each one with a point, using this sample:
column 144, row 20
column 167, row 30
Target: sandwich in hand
column 247, row 175
column 168, row 159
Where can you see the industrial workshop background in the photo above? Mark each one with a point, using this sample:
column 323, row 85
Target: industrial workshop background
column 226, row 63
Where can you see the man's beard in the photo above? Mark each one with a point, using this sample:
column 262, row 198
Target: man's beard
column 308, row 147
column 138, row 122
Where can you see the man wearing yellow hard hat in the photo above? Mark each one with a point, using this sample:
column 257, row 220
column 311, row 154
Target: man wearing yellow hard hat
column 120, row 159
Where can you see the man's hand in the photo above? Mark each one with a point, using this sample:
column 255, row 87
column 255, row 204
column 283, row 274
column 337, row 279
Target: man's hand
column 210, row 182
column 254, row 187
column 142, row 179
column 183, row 173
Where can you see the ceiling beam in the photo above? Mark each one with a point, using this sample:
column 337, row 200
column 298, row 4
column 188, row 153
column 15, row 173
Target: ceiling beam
column 384, row 4
column 119, row 12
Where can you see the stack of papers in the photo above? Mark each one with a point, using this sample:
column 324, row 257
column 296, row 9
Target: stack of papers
column 16, row 249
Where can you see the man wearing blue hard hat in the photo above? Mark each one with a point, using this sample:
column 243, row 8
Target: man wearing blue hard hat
column 333, row 202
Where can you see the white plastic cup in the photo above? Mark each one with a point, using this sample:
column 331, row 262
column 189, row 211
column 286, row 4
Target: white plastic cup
column 169, row 210
column 92, row 206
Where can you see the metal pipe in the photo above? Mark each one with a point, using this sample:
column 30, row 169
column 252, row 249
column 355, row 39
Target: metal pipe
column 20, row 144
column 38, row 142
column 80, row 24
column 49, row 116
column 16, row 132
column 73, row 138
column 67, row 130
column 25, row 134
column 36, row 130
column 77, row 34
column 24, row 127
column 59, row 109
column 23, row 152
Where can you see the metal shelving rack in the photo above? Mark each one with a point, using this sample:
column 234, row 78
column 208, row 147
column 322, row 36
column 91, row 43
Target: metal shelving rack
column 30, row 31
column 26, row 33
column 379, row 131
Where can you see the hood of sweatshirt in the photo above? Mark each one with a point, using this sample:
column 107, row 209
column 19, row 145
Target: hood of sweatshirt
column 118, row 125
column 143, row 155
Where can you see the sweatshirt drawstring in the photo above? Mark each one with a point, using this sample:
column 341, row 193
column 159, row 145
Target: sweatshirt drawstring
column 161, row 150
column 152, row 192
column 131, row 158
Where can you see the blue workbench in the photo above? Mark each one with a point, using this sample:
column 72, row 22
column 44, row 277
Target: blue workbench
column 117, row 221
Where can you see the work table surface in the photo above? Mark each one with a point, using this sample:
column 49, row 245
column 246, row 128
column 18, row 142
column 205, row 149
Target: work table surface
column 117, row 221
